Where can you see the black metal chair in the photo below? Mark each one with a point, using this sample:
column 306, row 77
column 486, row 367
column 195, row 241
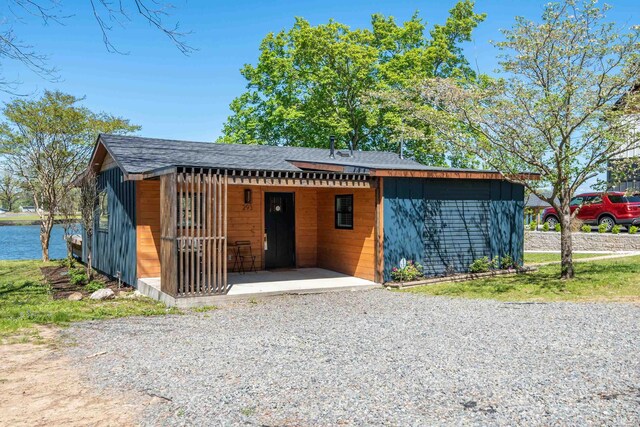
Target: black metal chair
column 244, row 252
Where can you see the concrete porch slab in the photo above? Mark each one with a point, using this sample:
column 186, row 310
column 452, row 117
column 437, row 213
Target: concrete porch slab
column 263, row 283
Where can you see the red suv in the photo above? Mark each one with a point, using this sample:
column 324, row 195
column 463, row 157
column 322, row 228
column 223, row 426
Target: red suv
column 609, row 208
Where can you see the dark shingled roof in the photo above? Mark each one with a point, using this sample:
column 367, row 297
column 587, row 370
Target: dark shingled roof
column 139, row 155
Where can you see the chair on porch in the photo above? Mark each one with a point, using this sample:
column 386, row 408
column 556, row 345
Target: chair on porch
column 244, row 254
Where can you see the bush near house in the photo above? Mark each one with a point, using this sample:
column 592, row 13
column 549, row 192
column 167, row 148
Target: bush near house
column 409, row 272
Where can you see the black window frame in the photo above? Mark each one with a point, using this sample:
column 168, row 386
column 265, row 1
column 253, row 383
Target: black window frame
column 338, row 226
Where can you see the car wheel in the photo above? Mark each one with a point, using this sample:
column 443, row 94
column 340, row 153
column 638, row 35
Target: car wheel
column 608, row 221
column 552, row 221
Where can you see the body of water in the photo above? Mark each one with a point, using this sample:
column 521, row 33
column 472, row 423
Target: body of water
column 23, row 242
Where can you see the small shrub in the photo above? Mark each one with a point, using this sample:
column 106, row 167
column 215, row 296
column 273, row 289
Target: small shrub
column 633, row 229
column 533, row 226
column 585, row 228
column 508, row 263
column 481, row 265
column 558, row 227
column 77, row 277
column 93, row 286
column 602, row 228
column 545, row 226
column 615, row 229
column 410, row 272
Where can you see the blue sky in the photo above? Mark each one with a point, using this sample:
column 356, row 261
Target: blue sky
column 187, row 97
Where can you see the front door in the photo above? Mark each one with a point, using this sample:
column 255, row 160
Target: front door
column 279, row 223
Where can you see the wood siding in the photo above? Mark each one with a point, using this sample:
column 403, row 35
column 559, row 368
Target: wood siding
column 447, row 224
column 148, row 228
column 246, row 221
column 348, row 251
column 114, row 248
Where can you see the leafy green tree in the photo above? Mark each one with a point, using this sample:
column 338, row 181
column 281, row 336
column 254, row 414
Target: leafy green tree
column 311, row 82
column 47, row 143
column 561, row 108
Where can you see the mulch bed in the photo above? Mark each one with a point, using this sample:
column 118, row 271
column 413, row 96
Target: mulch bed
column 58, row 278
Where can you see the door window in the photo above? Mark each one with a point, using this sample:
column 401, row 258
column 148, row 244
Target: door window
column 576, row 201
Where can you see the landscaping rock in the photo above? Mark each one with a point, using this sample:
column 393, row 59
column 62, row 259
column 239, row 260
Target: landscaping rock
column 76, row 296
column 101, row 294
column 135, row 294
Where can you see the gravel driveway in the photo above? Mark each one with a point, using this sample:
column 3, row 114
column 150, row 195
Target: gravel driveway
column 376, row 358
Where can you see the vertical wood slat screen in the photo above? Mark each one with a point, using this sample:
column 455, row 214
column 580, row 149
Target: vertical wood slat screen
column 201, row 233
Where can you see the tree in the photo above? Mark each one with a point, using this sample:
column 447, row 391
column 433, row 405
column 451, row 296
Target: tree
column 47, row 142
column 67, row 212
column 88, row 204
column 9, row 191
column 105, row 13
column 311, row 81
column 553, row 111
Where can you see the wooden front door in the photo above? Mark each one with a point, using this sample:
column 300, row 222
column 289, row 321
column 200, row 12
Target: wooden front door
column 279, row 222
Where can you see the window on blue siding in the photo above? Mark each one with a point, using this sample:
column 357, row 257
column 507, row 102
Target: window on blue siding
column 103, row 211
column 344, row 212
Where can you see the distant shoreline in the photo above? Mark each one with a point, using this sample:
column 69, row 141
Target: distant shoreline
column 25, row 222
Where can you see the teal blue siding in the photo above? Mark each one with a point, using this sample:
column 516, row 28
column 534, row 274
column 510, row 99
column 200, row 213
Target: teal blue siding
column 446, row 224
column 114, row 249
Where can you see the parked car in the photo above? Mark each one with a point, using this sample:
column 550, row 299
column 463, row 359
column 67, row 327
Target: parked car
column 609, row 208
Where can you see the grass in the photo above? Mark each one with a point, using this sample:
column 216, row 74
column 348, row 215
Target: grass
column 26, row 301
column 537, row 257
column 605, row 280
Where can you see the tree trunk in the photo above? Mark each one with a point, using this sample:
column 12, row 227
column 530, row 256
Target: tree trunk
column 45, row 236
column 566, row 248
column 89, row 256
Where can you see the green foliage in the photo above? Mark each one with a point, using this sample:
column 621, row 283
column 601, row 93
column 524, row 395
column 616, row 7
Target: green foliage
column 77, row 276
column 93, row 286
column 615, row 229
column 411, row 271
column 550, row 108
column 508, row 263
column 602, row 228
column 481, row 265
column 557, row 227
column 586, row 228
column 311, row 82
column 545, row 226
column 604, row 280
column 46, row 144
column 25, row 300
column 633, row 229
column 533, row 226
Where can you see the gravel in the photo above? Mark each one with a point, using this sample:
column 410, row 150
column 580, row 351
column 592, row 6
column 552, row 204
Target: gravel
column 375, row 358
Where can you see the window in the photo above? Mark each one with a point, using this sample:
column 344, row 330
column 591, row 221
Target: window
column 624, row 199
column 592, row 200
column 344, row 212
column 576, row 201
column 103, row 211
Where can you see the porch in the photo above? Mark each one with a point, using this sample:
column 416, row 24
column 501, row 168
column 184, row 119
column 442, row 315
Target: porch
column 197, row 227
column 263, row 283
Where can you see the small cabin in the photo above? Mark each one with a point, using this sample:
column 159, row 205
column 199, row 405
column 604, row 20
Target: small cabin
column 188, row 214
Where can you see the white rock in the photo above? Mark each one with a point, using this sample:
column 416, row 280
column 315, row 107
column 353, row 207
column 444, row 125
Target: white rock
column 103, row 294
column 76, row 296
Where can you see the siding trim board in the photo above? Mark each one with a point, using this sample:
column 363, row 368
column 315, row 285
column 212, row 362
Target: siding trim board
column 446, row 224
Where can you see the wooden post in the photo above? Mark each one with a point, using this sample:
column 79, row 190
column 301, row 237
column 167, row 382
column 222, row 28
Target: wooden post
column 379, row 230
column 168, row 230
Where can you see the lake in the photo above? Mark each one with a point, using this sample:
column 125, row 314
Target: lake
column 23, row 242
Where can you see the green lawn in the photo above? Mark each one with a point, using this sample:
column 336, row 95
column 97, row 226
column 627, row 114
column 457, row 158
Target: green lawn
column 606, row 280
column 536, row 257
column 25, row 301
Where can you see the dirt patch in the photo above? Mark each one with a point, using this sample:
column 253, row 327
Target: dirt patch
column 58, row 279
column 40, row 387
